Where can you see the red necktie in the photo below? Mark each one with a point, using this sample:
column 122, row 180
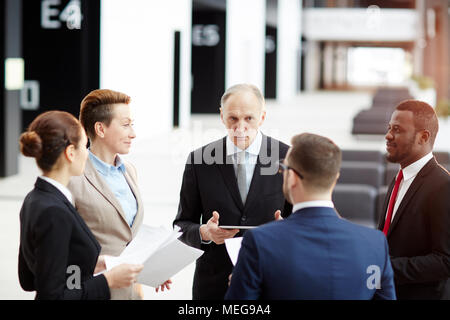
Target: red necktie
column 387, row 223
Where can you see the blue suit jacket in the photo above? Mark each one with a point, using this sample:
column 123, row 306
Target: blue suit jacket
column 313, row 254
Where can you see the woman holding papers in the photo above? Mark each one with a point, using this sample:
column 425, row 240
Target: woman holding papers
column 58, row 254
column 106, row 195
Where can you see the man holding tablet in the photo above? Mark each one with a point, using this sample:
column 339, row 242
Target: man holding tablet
column 229, row 185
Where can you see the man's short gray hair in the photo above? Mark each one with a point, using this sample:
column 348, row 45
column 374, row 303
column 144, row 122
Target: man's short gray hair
column 243, row 87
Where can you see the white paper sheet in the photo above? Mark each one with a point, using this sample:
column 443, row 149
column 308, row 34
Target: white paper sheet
column 161, row 253
column 165, row 263
column 233, row 246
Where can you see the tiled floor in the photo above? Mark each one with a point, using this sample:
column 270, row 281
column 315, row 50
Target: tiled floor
column 160, row 163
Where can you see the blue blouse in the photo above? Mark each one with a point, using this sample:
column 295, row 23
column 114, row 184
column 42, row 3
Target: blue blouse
column 115, row 178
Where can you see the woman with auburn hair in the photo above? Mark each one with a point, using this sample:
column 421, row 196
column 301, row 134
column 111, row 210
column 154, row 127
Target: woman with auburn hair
column 107, row 195
column 58, row 254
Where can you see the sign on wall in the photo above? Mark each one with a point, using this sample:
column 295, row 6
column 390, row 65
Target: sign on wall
column 53, row 18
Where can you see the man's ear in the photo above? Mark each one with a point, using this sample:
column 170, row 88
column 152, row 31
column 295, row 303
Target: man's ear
column 424, row 137
column 293, row 178
column 263, row 117
column 336, row 180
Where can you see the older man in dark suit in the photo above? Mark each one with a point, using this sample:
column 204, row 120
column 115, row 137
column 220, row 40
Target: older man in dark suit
column 417, row 206
column 230, row 182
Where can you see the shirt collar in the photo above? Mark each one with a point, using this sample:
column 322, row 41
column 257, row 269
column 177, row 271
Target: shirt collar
column 309, row 204
column 60, row 187
column 413, row 169
column 254, row 148
column 103, row 167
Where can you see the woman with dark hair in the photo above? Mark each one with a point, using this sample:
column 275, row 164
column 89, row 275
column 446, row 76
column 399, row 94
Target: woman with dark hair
column 58, row 254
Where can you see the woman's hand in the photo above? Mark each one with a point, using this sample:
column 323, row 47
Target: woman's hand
column 123, row 275
column 165, row 284
column 100, row 266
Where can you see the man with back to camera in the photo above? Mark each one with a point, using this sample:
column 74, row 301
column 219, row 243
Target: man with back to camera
column 417, row 205
column 313, row 254
column 233, row 181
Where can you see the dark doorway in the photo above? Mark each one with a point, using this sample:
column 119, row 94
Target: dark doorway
column 176, row 79
column 270, row 81
column 61, row 49
column 208, row 59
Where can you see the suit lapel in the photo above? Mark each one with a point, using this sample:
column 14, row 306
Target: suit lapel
column 44, row 185
column 382, row 217
column 255, row 184
column 83, row 224
column 137, row 196
column 228, row 174
column 415, row 186
column 253, row 191
column 98, row 183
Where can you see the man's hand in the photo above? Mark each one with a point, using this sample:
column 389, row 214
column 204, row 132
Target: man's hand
column 212, row 232
column 277, row 215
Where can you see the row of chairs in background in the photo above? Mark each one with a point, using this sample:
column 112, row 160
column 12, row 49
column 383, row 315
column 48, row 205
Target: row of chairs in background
column 375, row 119
column 364, row 179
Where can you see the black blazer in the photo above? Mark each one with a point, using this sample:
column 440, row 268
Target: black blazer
column 419, row 236
column 210, row 184
column 55, row 247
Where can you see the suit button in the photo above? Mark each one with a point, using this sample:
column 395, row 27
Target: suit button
column 243, row 218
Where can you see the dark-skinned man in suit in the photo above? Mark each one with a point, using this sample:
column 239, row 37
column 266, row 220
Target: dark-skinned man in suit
column 416, row 219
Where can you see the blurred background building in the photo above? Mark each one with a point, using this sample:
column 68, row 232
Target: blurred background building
column 176, row 57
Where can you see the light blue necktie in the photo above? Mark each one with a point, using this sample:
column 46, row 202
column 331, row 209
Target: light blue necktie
column 241, row 175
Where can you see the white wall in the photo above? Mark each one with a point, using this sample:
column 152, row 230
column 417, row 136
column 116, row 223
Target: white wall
column 371, row 24
column 245, row 42
column 312, row 66
column 137, row 43
column 328, row 63
column 289, row 42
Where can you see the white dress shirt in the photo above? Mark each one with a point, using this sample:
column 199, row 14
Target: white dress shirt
column 251, row 156
column 409, row 173
column 60, row 187
column 312, row 204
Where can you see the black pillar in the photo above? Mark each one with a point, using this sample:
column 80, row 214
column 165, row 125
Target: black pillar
column 59, row 42
column 61, row 49
column 176, row 79
column 208, row 59
column 10, row 113
column 270, row 82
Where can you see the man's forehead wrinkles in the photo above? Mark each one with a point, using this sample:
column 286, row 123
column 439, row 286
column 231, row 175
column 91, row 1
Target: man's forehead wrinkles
column 240, row 112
